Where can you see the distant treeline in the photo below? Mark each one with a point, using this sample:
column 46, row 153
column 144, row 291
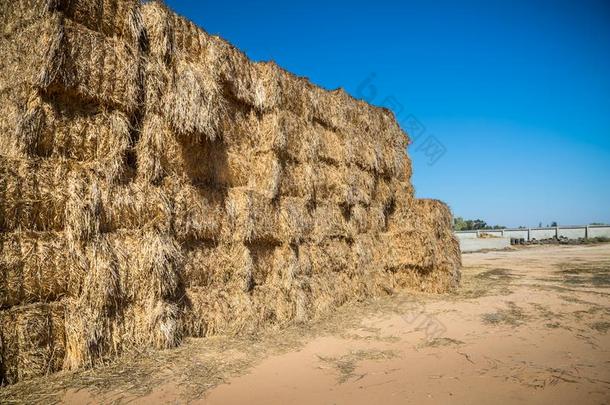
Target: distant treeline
column 461, row 224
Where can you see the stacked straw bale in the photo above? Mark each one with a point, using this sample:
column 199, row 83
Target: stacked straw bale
column 156, row 184
column 90, row 262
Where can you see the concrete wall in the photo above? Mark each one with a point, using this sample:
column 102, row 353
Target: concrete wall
column 570, row 232
column 475, row 245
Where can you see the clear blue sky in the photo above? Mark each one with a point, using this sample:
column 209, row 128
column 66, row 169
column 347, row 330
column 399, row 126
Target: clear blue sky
column 518, row 92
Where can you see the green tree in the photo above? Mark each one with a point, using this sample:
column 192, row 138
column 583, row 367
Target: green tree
column 459, row 224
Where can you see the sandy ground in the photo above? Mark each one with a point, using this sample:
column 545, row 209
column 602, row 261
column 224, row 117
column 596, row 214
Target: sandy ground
column 527, row 326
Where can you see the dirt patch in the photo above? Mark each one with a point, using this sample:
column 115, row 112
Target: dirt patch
column 482, row 282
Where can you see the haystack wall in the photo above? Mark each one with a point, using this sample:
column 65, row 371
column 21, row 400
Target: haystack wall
column 155, row 184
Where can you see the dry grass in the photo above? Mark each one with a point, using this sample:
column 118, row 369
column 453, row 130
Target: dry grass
column 592, row 274
column 347, row 364
column 513, row 316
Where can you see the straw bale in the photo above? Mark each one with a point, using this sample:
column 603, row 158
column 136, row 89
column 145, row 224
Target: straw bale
column 295, row 219
column 159, row 184
column 254, row 84
column 411, row 261
column 262, row 261
column 218, row 312
column 160, row 31
column 152, row 323
column 219, row 266
column 343, row 184
column 151, row 265
column 362, row 186
column 280, row 265
column 383, row 192
column 377, row 216
column 159, row 79
column 136, row 205
column 191, row 42
column 186, row 211
column 156, row 142
column 267, row 90
column 331, row 184
column 197, row 212
column 333, row 108
column 331, row 146
column 331, row 255
column 328, row 291
column 424, row 253
column 38, row 267
column 397, row 142
column 21, row 119
column 284, row 297
column 376, row 142
column 160, row 153
column 110, row 17
column 297, row 95
column 250, row 216
column 83, row 207
column 33, row 341
column 298, row 180
column 360, row 220
column 404, row 170
column 402, row 210
column 237, row 71
column 274, row 306
column 280, row 283
column 304, row 259
column 89, row 337
column 58, row 55
column 394, row 161
column 257, row 172
column 163, row 327
column 27, row 56
column 89, row 316
column 172, row 37
column 403, row 191
column 83, row 133
column 245, row 129
column 56, row 127
column 364, row 152
column 302, row 138
column 49, row 194
column 89, row 65
column 132, row 297
column 367, row 267
column 193, row 104
column 365, row 255
column 330, row 221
